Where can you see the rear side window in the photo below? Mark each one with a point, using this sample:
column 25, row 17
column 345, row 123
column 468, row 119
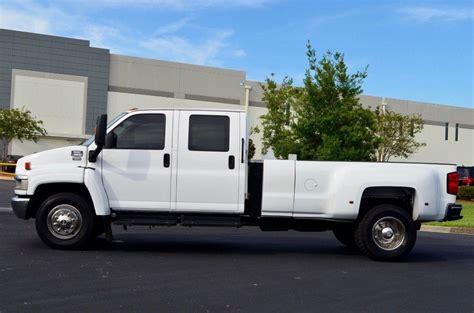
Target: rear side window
column 142, row 131
column 208, row 133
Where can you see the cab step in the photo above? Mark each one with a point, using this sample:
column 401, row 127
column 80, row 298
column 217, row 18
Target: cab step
column 160, row 219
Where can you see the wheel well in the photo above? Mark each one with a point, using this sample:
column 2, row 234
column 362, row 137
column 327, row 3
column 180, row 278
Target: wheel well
column 42, row 192
column 402, row 197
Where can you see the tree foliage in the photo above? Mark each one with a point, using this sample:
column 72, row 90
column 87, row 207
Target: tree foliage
column 396, row 134
column 18, row 124
column 278, row 122
column 252, row 149
column 324, row 119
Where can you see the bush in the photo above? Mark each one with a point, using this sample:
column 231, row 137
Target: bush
column 466, row 192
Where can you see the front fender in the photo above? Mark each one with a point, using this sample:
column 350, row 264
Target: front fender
column 93, row 182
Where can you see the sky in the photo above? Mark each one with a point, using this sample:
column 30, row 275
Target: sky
column 414, row 50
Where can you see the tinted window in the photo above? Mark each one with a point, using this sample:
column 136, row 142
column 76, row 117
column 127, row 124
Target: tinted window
column 143, row 131
column 208, row 133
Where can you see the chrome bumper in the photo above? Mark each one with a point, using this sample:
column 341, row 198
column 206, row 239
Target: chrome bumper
column 20, row 207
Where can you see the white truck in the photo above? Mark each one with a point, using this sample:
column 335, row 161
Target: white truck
column 189, row 167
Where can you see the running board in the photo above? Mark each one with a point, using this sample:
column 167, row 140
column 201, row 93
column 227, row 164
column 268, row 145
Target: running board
column 144, row 219
column 153, row 219
column 203, row 220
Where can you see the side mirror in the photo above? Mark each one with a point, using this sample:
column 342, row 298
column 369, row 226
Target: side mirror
column 100, row 132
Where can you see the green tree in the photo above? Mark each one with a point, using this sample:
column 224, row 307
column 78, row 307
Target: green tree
column 324, row 119
column 277, row 123
column 252, row 149
column 18, row 124
column 396, row 134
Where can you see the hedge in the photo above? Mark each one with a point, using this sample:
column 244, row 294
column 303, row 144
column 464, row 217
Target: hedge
column 466, row 192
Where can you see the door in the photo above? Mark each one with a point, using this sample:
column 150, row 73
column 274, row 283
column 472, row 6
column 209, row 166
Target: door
column 208, row 162
column 136, row 162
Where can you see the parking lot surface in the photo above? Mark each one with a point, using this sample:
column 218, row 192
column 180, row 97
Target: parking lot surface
column 182, row 269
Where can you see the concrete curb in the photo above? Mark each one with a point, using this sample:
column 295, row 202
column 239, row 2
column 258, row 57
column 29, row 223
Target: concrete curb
column 447, row 230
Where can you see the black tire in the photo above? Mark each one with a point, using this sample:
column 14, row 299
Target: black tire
column 73, row 203
column 382, row 221
column 99, row 227
column 345, row 235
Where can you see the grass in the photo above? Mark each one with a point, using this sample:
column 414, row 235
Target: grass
column 466, row 221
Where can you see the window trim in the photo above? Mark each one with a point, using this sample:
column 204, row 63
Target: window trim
column 209, row 115
column 144, row 149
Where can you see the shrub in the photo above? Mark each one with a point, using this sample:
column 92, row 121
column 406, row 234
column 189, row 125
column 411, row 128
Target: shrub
column 466, row 192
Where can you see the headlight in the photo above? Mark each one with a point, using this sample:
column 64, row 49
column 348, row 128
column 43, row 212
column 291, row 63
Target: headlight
column 21, row 182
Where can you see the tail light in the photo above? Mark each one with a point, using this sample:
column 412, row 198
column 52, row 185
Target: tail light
column 27, row 166
column 453, row 183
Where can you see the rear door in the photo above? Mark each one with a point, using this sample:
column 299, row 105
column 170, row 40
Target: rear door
column 208, row 162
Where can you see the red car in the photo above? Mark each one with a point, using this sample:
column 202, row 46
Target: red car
column 466, row 175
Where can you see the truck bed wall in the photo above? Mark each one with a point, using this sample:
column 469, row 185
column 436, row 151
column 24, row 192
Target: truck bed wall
column 333, row 190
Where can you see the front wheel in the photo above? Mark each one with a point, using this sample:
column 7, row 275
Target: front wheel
column 65, row 221
column 386, row 233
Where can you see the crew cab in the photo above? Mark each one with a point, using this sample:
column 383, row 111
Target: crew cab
column 189, row 167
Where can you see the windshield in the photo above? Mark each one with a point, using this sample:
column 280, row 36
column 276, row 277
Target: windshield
column 91, row 138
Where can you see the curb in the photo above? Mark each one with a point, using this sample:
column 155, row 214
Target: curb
column 447, row 230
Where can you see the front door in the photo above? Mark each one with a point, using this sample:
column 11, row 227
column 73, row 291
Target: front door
column 208, row 162
column 136, row 166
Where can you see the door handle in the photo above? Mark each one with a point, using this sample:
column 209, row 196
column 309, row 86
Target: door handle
column 166, row 160
column 243, row 151
column 231, row 162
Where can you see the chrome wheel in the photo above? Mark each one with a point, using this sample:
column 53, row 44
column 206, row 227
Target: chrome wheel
column 388, row 233
column 64, row 221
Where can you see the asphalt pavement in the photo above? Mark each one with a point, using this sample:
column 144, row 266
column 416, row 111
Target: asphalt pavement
column 6, row 192
column 181, row 269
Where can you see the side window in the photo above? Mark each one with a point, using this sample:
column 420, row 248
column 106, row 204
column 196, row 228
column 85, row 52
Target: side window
column 208, row 133
column 142, row 131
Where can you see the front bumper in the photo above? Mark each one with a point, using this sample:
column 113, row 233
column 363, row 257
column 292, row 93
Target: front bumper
column 453, row 212
column 20, row 207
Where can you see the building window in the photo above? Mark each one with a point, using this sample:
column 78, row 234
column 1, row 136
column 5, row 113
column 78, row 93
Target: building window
column 456, row 135
column 446, row 131
column 208, row 133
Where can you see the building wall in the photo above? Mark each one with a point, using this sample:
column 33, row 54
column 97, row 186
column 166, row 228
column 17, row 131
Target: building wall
column 63, row 81
column 175, row 80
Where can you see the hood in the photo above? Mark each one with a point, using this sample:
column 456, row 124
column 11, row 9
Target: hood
column 55, row 158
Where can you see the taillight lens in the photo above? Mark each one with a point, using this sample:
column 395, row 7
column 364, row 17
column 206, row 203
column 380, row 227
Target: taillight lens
column 453, row 183
column 28, row 166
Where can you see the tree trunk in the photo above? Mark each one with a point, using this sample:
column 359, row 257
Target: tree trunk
column 4, row 149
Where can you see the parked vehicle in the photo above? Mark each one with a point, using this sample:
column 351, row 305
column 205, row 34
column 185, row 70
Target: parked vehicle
column 189, row 167
column 11, row 159
column 466, row 175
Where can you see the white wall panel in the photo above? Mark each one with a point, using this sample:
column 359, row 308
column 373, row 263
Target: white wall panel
column 119, row 102
column 59, row 103
column 29, row 147
column 439, row 150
